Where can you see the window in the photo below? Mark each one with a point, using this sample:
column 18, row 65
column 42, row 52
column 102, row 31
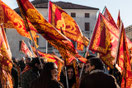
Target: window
column 87, row 15
column 87, row 26
column 73, row 14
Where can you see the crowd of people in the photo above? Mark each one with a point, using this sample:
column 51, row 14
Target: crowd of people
column 37, row 73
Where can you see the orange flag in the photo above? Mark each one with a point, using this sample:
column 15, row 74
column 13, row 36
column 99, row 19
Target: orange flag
column 11, row 19
column 52, row 35
column 67, row 25
column 6, row 56
column 24, row 48
column 123, row 61
column 5, row 61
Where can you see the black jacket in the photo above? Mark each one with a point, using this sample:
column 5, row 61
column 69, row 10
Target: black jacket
column 98, row 79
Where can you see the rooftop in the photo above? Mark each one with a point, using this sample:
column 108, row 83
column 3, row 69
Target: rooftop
column 63, row 5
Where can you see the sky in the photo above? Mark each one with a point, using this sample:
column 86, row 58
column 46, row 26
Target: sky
column 113, row 6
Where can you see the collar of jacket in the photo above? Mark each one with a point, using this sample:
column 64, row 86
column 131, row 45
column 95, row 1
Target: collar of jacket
column 95, row 71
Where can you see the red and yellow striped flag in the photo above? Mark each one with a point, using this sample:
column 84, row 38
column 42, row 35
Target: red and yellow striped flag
column 11, row 19
column 66, row 24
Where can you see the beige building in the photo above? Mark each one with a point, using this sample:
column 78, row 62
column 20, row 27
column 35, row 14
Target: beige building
column 129, row 32
column 85, row 16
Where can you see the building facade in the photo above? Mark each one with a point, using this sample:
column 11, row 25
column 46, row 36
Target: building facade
column 85, row 17
column 129, row 32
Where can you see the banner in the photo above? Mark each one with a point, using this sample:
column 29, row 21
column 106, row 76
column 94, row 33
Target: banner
column 123, row 61
column 24, row 48
column 67, row 25
column 10, row 19
column 49, row 32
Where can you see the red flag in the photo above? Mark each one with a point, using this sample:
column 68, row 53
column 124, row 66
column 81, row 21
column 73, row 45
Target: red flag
column 66, row 24
column 105, row 40
column 129, row 43
column 108, row 16
column 6, row 56
column 119, row 20
column 5, row 61
column 24, row 48
column 52, row 35
column 11, row 19
column 124, row 61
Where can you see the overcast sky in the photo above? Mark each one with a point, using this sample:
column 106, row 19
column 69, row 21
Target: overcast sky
column 113, row 6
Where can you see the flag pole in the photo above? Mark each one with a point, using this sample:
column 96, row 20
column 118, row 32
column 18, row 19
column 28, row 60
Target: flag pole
column 28, row 28
column 118, row 45
column 31, row 48
column 65, row 68
column 49, row 22
column 83, row 64
column 87, row 49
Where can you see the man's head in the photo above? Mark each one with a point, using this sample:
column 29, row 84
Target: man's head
column 70, row 72
column 35, row 63
column 93, row 64
column 28, row 60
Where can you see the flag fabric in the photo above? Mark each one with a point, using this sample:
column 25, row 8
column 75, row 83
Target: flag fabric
column 6, row 79
column 5, row 61
column 11, row 19
column 105, row 40
column 118, row 25
column 66, row 24
column 108, row 16
column 76, row 73
column 52, row 35
column 6, row 56
column 119, row 20
column 48, row 57
column 123, row 61
column 51, row 58
column 24, row 48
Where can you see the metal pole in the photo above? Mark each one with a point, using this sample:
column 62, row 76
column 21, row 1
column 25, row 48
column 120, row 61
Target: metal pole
column 46, row 47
